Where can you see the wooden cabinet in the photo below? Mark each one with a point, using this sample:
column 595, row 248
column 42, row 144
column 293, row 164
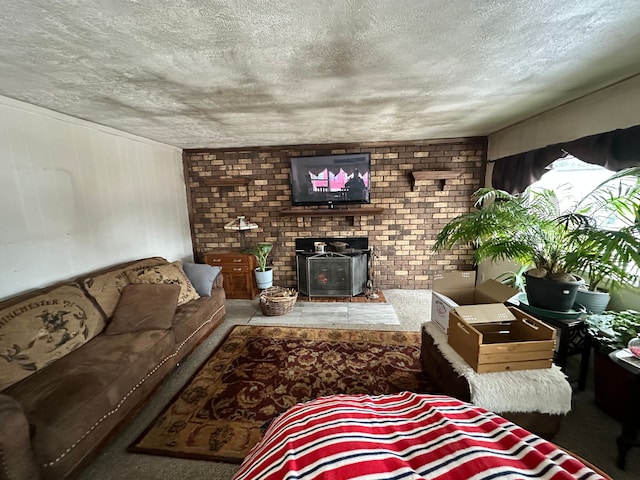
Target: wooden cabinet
column 238, row 269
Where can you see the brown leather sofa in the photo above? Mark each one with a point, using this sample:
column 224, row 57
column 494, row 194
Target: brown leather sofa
column 62, row 412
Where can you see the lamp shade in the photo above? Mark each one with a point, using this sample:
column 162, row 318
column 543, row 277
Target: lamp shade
column 240, row 224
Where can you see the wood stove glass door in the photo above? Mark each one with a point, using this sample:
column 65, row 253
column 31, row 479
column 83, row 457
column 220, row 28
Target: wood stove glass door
column 329, row 276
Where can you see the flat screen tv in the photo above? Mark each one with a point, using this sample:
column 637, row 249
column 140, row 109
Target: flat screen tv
column 331, row 179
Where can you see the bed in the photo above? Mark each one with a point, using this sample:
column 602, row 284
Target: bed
column 403, row 436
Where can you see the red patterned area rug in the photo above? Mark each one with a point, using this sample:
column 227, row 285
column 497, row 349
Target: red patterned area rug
column 259, row 372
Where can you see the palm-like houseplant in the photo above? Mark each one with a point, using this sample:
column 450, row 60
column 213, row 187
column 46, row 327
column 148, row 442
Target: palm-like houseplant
column 520, row 228
column 608, row 257
column 532, row 230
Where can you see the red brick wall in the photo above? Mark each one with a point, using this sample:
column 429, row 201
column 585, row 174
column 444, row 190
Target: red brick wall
column 403, row 234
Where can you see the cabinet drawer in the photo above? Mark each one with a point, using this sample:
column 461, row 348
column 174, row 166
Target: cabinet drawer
column 226, row 268
column 244, row 260
column 228, row 259
column 213, row 259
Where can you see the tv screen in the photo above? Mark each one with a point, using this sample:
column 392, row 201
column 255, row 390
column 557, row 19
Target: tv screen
column 331, row 179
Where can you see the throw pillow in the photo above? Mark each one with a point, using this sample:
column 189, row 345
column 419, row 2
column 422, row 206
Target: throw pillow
column 105, row 287
column 144, row 306
column 169, row 273
column 42, row 328
column 202, row 276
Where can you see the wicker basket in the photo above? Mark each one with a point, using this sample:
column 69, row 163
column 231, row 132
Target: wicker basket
column 277, row 300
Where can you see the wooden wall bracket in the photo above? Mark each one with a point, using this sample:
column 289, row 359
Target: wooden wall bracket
column 419, row 176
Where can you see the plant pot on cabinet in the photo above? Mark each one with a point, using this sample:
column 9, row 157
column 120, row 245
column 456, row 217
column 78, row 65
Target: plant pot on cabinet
column 264, row 279
column 593, row 301
column 551, row 294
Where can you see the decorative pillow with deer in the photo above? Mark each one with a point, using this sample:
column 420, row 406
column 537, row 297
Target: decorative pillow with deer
column 43, row 328
column 169, row 273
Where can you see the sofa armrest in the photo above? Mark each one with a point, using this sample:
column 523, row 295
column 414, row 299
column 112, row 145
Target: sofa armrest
column 17, row 461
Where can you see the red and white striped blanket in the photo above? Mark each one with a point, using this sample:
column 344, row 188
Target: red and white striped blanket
column 402, row 436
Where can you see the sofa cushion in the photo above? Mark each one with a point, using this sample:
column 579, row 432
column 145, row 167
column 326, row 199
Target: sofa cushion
column 96, row 386
column 201, row 276
column 42, row 328
column 170, row 273
column 144, row 306
column 16, row 455
column 194, row 315
column 106, row 286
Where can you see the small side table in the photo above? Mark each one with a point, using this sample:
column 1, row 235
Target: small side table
column 573, row 340
column 629, row 435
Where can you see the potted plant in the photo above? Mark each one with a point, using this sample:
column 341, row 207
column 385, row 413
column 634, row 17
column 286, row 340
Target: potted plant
column 610, row 331
column 264, row 274
column 556, row 245
column 609, row 258
column 521, row 228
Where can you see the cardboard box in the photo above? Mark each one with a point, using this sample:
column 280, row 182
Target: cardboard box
column 495, row 338
column 457, row 288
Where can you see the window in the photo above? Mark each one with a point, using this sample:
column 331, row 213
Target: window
column 573, row 180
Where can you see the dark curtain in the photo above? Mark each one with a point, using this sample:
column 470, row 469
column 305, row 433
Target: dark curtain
column 613, row 150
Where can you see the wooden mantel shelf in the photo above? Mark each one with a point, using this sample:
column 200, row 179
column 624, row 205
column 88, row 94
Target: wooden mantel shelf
column 330, row 212
column 225, row 181
column 350, row 213
column 442, row 175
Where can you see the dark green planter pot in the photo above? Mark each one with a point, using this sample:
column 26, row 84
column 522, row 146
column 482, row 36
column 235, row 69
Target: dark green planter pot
column 551, row 294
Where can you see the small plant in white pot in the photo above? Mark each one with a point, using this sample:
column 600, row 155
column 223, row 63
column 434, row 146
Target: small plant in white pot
column 264, row 274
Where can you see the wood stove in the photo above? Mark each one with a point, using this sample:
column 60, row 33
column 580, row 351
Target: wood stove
column 341, row 273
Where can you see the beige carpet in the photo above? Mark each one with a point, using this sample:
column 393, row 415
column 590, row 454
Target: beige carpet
column 586, row 430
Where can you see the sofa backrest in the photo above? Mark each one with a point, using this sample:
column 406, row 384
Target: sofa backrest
column 41, row 326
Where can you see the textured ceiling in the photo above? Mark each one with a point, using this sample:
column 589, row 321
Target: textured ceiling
column 225, row 73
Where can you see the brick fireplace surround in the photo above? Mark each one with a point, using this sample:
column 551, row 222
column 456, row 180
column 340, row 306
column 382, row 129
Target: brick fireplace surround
column 254, row 182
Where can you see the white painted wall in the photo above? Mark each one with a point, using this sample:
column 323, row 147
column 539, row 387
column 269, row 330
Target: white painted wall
column 617, row 106
column 76, row 196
